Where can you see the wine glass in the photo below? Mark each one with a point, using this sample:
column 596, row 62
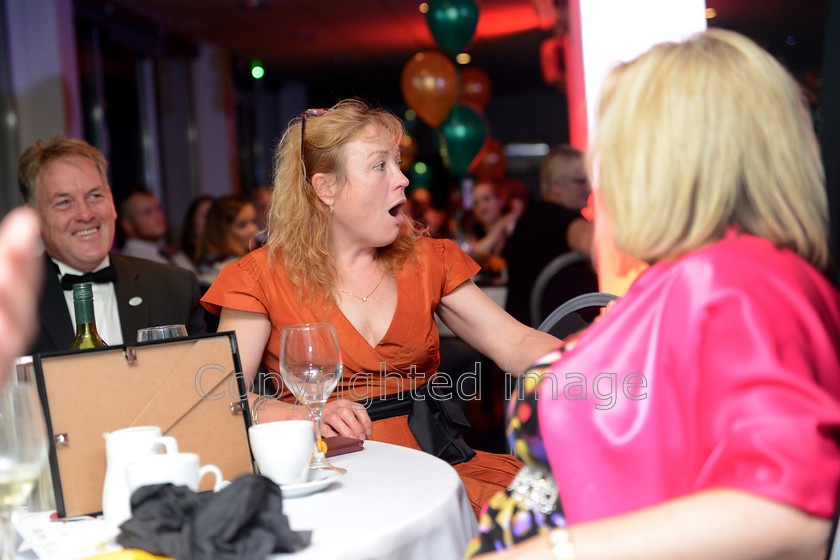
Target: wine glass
column 310, row 363
column 23, row 452
column 161, row 333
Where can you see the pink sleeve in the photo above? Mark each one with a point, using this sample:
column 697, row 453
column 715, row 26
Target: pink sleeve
column 768, row 427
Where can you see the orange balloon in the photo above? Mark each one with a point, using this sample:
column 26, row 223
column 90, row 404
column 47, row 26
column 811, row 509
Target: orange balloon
column 492, row 163
column 475, row 86
column 430, row 86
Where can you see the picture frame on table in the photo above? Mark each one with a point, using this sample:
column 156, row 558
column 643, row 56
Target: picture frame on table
column 191, row 387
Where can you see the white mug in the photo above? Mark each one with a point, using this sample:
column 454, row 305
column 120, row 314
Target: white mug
column 283, row 449
column 181, row 469
column 122, row 447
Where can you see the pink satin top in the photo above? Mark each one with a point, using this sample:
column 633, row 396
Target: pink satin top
column 718, row 370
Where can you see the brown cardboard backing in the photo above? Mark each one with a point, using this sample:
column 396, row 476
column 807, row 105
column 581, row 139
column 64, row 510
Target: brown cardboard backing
column 188, row 387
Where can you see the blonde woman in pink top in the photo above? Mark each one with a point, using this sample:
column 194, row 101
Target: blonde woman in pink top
column 699, row 418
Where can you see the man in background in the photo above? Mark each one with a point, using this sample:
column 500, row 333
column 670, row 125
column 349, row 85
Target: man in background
column 550, row 228
column 65, row 181
column 144, row 225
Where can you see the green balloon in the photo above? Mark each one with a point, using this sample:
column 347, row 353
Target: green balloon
column 452, row 23
column 463, row 133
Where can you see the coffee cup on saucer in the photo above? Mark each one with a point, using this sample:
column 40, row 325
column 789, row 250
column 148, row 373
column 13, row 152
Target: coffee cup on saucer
column 283, row 449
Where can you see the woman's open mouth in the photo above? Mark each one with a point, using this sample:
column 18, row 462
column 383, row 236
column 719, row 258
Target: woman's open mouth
column 396, row 209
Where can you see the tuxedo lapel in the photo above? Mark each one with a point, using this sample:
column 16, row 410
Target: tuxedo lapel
column 133, row 298
column 57, row 332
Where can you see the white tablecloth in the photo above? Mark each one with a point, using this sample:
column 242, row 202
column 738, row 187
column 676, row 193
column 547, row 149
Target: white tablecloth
column 394, row 502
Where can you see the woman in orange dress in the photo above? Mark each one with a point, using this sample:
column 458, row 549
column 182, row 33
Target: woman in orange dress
column 340, row 249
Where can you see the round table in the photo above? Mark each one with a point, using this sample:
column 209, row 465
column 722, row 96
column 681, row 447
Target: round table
column 394, row 502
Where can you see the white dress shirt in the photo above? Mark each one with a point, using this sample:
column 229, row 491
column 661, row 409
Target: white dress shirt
column 105, row 310
column 152, row 251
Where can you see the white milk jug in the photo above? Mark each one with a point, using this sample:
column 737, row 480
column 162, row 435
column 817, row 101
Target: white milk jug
column 121, row 447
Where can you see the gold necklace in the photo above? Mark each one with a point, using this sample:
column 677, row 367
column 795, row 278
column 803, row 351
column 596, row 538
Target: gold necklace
column 364, row 299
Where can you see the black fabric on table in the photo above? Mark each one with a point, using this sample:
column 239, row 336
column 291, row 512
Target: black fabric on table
column 244, row 521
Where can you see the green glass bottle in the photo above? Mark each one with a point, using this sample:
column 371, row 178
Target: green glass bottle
column 86, row 335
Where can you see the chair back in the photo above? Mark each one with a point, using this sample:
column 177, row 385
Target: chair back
column 576, row 314
column 833, row 550
column 564, row 277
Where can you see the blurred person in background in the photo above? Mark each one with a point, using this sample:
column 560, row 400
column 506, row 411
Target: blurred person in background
column 193, row 226
column 494, row 219
column 261, row 199
column 229, row 233
column 551, row 227
column 421, row 207
column 144, row 226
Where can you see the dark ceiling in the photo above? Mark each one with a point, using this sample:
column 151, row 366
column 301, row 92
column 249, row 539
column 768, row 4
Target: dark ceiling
column 359, row 47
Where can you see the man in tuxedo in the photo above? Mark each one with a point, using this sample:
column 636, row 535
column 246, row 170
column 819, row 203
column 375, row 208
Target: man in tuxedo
column 65, row 181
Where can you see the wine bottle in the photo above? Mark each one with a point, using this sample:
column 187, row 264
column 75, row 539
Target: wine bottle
column 86, row 335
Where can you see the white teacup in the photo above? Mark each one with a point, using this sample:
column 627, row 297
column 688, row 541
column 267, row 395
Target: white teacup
column 283, row 449
column 181, row 469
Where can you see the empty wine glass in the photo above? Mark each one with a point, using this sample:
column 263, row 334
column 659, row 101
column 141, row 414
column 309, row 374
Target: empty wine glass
column 161, row 333
column 310, row 363
column 23, row 451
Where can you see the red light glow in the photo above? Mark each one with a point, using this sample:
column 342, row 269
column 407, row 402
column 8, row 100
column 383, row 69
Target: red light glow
column 506, row 20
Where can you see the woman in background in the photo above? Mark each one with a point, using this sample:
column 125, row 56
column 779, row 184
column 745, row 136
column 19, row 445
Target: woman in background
column 494, row 217
column 193, row 226
column 228, row 234
column 712, row 426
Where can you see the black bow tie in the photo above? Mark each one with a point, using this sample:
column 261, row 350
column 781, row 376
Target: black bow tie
column 105, row 275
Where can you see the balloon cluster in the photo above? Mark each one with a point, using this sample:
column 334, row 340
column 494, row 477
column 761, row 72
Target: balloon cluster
column 449, row 103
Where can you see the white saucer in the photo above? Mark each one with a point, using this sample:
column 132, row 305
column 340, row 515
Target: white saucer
column 318, row 480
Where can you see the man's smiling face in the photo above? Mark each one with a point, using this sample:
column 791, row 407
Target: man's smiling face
column 76, row 211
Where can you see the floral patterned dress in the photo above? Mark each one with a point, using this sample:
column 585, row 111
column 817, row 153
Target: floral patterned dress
column 531, row 505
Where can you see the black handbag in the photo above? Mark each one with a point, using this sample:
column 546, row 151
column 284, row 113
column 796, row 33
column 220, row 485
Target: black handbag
column 436, row 423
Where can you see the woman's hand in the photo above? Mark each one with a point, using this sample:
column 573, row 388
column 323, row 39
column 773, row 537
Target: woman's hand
column 345, row 418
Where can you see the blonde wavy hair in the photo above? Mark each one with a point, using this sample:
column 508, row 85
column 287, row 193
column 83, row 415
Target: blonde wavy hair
column 696, row 136
column 298, row 222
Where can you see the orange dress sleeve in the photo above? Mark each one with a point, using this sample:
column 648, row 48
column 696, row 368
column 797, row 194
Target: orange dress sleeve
column 240, row 285
column 457, row 266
